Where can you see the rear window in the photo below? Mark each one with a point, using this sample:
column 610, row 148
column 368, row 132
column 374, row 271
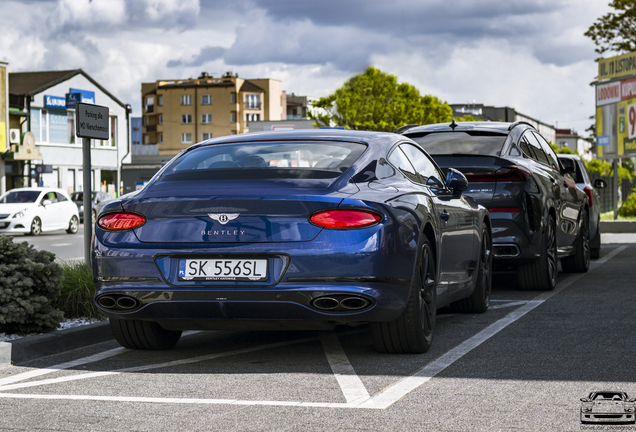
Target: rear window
column 446, row 143
column 277, row 160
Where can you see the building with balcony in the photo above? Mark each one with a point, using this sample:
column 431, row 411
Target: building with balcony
column 179, row 113
column 572, row 140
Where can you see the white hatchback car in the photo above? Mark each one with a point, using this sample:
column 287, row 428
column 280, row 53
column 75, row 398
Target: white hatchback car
column 37, row 209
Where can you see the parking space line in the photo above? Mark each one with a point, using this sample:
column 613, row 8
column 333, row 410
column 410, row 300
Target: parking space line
column 507, row 305
column 355, row 393
column 393, row 393
column 352, row 388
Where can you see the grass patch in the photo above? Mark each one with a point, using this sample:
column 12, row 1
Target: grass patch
column 78, row 290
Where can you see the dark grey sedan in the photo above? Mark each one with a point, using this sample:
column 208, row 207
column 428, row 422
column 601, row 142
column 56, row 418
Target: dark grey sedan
column 98, row 200
column 575, row 165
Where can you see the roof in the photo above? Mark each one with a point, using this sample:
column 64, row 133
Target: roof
column 31, row 83
column 307, row 134
column 250, row 87
column 500, row 127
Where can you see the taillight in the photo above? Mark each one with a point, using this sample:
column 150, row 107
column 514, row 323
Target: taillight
column 121, row 221
column 590, row 195
column 480, row 176
column 513, row 173
column 345, row 219
column 504, row 210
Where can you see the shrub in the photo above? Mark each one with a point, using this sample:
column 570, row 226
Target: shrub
column 629, row 208
column 78, row 290
column 29, row 280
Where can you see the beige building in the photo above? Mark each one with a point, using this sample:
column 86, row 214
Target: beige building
column 179, row 113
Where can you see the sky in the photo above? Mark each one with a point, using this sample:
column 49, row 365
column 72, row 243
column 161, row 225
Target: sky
column 530, row 55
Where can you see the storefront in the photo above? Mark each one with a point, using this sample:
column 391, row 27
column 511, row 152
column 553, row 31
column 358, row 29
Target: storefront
column 46, row 103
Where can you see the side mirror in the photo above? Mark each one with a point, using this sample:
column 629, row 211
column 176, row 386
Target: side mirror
column 46, row 202
column 456, row 181
column 585, row 400
column 600, row 184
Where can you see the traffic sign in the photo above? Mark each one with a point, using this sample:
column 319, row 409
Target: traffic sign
column 91, row 121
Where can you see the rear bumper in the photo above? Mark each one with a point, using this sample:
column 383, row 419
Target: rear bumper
column 370, row 267
column 511, row 242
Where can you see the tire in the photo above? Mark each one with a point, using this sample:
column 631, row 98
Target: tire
column 36, row 226
column 542, row 273
column 595, row 243
column 144, row 335
column 479, row 301
column 580, row 261
column 73, row 225
column 412, row 332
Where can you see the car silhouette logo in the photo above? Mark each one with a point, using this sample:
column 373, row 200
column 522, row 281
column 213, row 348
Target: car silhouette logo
column 607, row 407
column 223, row 218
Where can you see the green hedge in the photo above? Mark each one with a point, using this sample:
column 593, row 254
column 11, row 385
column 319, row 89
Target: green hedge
column 29, row 281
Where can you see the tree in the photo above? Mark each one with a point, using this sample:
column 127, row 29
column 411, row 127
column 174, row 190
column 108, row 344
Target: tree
column 562, row 150
column 375, row 101
column 615, row 31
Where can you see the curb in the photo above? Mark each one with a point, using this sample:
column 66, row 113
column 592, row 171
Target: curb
column 33, row 347
column 618, row 227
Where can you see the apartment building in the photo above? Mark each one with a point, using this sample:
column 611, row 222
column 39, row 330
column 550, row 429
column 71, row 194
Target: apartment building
column 179, row 113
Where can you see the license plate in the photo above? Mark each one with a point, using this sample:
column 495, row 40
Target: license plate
column 223, row 269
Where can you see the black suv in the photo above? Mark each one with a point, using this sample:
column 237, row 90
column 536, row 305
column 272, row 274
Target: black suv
column 538, row 213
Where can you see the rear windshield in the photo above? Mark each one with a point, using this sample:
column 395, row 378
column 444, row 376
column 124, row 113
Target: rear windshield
column 276, row 160
column 20, row 197
column 478, row 143
column 577, row 174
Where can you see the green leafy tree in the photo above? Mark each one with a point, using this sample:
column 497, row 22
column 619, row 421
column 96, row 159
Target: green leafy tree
column 562, row 150
column 615, row 31
column 375, row 101
column 604, row 168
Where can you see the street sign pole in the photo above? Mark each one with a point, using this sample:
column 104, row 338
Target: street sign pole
column 88, row 190
column 91, row 121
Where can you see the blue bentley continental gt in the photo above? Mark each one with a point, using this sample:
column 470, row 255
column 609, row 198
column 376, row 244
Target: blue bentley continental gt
column 305, row 229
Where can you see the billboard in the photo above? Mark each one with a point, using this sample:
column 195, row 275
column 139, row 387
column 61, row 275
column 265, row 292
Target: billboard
column 616, row 107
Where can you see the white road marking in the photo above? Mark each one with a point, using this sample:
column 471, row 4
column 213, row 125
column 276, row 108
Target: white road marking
column 352, row 388
column 507, row 305
column 382, row 400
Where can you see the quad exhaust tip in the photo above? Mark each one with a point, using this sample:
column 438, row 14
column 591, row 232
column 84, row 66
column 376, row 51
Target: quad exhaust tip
column 118, row 303
column 342, row 303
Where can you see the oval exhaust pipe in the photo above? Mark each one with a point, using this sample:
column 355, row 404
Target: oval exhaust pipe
column 127, row 303
column 107, row 302
column 326, row 303
column 353, row 303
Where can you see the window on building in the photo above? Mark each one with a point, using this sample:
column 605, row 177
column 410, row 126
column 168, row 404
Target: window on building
column 234, row 132
column 135, row 129
column 160, row 100
column 186, row 100
column 44, row 130
column 252, row 117
column 253, row 101
column 160, row 119
column 71, row 129
column 206, row 118
column 206, row 99
column 146, row 139
column 186, row 138
column 150, row 100
column 232, row 117
column 160, row 138
column 145, row 121
column 206, row 136
column 113, row 131
column 232, row 98
column 186, row 118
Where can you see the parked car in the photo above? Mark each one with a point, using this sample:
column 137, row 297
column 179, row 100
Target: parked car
column 99, row 199
column 293, row 230
column 539, row 215
column 37, row 209
column 575, row 165
column 607, row 407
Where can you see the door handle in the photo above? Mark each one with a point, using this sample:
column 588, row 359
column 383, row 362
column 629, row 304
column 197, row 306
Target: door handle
column 445, row 216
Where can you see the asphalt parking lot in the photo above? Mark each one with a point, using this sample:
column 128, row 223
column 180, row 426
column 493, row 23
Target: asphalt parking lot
column 523, row 365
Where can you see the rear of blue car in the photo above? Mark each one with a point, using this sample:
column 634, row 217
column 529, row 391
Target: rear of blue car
column 267, row 236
